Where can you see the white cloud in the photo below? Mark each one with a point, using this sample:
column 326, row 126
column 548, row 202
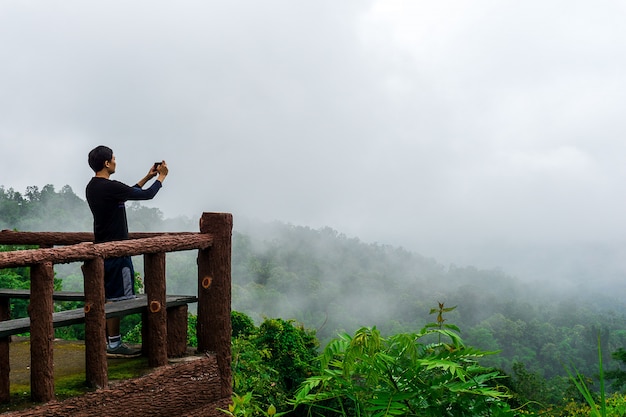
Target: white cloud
column 435, row 125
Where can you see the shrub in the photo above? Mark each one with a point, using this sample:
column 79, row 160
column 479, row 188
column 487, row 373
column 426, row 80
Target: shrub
column 430, row 373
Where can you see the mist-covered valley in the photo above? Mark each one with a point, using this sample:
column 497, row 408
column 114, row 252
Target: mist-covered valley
column 333, row 283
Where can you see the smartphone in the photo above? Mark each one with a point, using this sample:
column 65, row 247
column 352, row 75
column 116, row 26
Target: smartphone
column 156, row 165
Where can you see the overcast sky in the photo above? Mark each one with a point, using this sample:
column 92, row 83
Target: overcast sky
column 440, row 126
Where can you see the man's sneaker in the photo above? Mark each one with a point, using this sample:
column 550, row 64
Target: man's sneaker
column 123, row 351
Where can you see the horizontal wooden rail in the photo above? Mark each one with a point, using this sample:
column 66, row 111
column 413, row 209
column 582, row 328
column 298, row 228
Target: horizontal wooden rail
column 85, row 251
column 11, row 237
column 77, row 316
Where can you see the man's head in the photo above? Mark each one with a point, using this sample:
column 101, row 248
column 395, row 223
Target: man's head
column 101, row 157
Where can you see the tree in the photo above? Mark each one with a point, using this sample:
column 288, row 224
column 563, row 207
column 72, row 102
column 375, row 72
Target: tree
column 617, row 376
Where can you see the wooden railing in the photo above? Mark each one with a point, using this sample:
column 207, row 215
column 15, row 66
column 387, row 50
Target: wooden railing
column 213, row 243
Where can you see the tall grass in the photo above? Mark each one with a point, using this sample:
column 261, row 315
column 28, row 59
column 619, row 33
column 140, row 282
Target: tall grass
column 597, row 410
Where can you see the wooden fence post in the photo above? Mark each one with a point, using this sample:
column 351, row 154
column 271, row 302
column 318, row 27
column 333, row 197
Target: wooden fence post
column 156, row 333
column 5, row 368
column 96, row 368
column 214, row 327
column 40, row 310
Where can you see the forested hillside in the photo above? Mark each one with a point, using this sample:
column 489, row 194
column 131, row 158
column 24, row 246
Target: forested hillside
column 330, row 282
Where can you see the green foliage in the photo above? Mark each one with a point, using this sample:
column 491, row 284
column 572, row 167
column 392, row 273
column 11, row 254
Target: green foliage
column 192, row 331
column 528, row 387
column 269, row 361
column 14, row 279
column 615, row 407
column 242, row 324
column 617, row 376
column 403, row 375
column 440, row 321
column 19, row 278
column 290, row 349
column 243, row 406
column 252, row 373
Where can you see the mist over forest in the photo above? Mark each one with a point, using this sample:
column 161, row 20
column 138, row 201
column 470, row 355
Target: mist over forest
column 331, row 282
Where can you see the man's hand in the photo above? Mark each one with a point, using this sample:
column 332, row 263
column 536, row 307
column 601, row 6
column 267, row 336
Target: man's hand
column 156, row 169
column 153, row 171
column 162, row 171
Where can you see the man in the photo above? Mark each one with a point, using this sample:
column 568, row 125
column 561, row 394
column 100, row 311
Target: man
column 106, row 200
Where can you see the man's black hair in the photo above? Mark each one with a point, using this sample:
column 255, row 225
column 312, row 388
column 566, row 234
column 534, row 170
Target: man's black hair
column 98, row 156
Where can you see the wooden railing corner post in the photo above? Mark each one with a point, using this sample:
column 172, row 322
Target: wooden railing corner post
column 214, row 326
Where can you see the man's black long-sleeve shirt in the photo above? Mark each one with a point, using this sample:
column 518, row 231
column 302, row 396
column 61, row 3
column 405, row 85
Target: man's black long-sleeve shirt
column 106, row 200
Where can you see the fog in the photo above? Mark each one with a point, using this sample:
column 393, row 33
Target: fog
column 484, row 133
